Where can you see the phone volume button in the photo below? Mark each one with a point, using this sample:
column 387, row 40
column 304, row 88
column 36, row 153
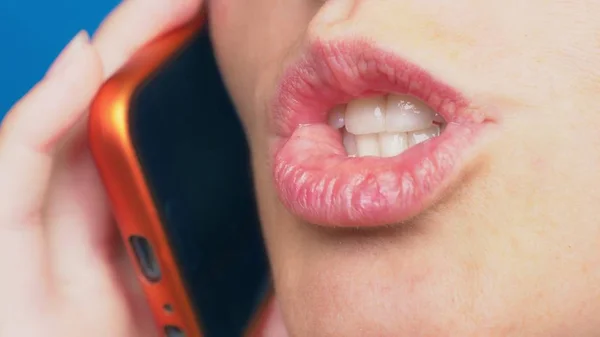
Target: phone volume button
column 146, row 258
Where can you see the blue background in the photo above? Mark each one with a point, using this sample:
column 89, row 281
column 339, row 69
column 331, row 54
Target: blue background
column 33, row 32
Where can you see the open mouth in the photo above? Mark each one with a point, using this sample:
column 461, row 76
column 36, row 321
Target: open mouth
column 384, row 126
column 365, row 138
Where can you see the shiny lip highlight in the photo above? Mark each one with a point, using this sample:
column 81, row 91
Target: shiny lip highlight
column 314, row 177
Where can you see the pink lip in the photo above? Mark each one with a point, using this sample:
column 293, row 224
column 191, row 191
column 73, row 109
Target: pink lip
column 315, row 179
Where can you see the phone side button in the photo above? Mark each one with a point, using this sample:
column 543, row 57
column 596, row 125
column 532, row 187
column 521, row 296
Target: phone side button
column 173, row 331
column 146, row 258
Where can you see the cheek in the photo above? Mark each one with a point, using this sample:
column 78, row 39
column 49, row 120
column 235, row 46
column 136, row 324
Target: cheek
column 219, row 10
column 223, row 29
column 228, row 35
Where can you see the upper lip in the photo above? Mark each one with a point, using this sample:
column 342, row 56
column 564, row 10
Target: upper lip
column 313, row 177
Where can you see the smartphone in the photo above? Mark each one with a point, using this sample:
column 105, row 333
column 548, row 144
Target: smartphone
column 174, row 159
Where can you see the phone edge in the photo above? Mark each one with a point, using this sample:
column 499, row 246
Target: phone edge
column 131, row 200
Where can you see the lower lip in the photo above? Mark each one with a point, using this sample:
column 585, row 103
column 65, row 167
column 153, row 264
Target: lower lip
column 319, row 183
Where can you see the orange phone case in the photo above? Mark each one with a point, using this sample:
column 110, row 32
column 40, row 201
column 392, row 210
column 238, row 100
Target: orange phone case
column 127, row 189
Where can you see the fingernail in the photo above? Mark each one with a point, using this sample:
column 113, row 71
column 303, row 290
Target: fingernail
column 69, row 53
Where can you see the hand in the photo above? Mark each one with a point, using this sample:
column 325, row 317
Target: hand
column 63, row 270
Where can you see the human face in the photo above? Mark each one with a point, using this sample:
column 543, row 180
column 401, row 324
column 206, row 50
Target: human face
column 502, row 239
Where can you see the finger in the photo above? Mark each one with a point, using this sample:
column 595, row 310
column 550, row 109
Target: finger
column 79, row 232
column 28, row 140
column 135, row 23
column 53, row 106
column 87, row 257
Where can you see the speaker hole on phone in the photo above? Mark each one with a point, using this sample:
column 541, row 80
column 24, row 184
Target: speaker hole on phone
column 173, row 331
column 145, row 258
column 168, row 309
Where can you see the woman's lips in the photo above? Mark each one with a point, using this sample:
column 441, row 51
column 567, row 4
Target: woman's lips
column 314, row 177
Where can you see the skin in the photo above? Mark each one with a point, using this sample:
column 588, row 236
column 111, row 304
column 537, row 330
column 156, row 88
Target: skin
column 510, row 251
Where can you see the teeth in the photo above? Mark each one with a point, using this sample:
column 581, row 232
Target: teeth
column 349, row 141
column 366, row 115
column 336, row 116
column 392, row 144
column 406, row 113
column 367, row 145
column 386, row 125
column 438, row 118
column 420, row 136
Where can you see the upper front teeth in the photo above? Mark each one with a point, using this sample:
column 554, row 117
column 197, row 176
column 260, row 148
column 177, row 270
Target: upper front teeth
column 406, row 113
column 366, row 115
column 384, row 126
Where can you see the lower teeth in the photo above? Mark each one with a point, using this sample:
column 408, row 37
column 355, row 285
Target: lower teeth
column 386, row 144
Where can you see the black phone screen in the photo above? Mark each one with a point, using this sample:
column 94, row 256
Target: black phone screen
column 195, row 159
